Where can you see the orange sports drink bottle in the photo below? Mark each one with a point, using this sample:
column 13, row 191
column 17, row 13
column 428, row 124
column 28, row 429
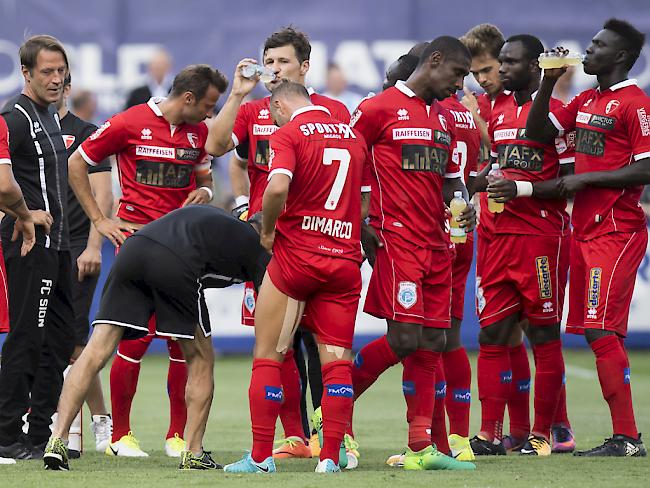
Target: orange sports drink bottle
column 456, row 232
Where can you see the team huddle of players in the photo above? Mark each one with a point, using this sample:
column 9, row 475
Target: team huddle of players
column 326, row 183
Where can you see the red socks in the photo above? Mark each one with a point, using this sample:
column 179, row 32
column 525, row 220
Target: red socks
column 265, row 400
column 290, row 410
column 176, row 382
column 494, row 382
column 458, row 374
column 519, row 399
column 614, row 375
column 417, row 385
column 438, row 423
column 370, row 363
column 124, row 381
column 549, row 371
column 336, row 404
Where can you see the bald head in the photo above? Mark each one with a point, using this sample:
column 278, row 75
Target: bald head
column 286, row 98
column 160, row 65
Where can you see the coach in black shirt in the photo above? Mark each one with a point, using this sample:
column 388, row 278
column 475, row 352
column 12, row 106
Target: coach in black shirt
column 40, row 342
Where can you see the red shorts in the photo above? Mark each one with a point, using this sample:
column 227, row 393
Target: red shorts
column 330, row 288
column 411, row 284
column 460, row 269
column 603, row 272
column 522, row 274
column 4, row 296
column 248, row 304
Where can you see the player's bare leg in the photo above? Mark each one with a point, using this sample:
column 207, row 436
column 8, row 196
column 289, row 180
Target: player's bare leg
column 102, row 343
column 199, row 355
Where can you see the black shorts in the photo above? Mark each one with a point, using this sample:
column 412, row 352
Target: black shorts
column 148, row 278
column 82, row 298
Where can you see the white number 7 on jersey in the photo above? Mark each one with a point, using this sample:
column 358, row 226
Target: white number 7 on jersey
column 331, row 154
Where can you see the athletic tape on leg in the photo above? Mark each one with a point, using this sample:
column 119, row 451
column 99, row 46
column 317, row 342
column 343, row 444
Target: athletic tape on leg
column 292, row 316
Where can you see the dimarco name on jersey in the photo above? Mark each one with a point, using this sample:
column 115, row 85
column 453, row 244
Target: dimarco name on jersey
column 330, row 227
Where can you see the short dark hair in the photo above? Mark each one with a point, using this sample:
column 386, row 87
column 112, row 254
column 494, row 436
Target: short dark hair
column 406, row 66
column 197, row 78
column 289, row 35
column 632, row 37
column 418, row 48
column 28, row 52
column 448, row 46
column 289, row 88
column 483, row 39
column 532, row 45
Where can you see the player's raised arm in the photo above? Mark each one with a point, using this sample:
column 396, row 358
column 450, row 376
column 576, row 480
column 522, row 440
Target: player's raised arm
column 538, row 125
column 219, row 140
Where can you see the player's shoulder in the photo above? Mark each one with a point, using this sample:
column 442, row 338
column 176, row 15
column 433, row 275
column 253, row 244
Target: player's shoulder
column 452, row 103
column 259, row 107
column 15, row 118
column 333, row 105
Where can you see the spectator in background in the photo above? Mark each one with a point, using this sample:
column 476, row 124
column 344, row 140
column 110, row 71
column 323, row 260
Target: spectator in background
column 337, row 88
column 159, row 80
column 84, row 105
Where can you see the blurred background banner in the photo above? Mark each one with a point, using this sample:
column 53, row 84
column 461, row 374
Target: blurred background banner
column 111, row 43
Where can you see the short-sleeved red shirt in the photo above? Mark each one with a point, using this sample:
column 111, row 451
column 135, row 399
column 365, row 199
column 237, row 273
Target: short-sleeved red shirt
column 612, row 131
column 5, row 157
column 525, row 160
column 254, row 126
column 324, row 159
column 468, row 138
column 156, row 161
column 411, row 147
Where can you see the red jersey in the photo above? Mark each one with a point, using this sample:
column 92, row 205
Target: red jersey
column 5, row 157
column 612, row 131
column 468, row 138
column 411, row 147
column 523, row 159
column 324, row 159
column 156, row 161
column 254, row 125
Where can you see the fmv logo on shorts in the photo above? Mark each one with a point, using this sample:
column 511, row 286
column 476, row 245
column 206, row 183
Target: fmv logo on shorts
column 407, row 294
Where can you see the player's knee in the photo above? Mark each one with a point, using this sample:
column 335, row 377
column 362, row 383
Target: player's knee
column 403, row 341
column 492, row 336
column 541, row 335
column 592, row 335
column 433, row 339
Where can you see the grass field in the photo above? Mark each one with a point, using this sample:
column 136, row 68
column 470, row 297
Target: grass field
column 379, row 427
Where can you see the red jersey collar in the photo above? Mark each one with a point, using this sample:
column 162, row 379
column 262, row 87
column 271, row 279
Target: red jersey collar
column 622, row 84
column 153, row 105
column 309, row 108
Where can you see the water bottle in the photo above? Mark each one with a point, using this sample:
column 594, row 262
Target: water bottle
column 456, row 232
column 495, row 173
column 251, row 70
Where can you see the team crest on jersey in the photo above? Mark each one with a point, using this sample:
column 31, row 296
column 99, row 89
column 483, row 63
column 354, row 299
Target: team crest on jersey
column 68, row 140
column 443, row 121
column 611, row 106
column 193, row 139
column 403, row 114
column 99, row 131
column 593, row 292
column 544, row 277
column 249, row 300
column 500, row 119
column 586, row 104
column 264, row 114
column 480, row 298
column 145, row 134
column 407, row 294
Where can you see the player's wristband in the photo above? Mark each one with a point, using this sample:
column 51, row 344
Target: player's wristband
column 241, row 200
column 209, row 190
column 524, row 188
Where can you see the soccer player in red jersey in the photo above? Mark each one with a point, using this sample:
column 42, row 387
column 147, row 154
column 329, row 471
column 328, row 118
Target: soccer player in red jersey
column 525, row 270
column 609, row 227
column 286, row 53
column 163, row 166
column 485, row 41
column 311, row 225
column 412, row 138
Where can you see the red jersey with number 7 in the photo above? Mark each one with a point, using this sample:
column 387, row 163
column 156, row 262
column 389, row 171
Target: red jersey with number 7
column 324, row 159
column 612, row 131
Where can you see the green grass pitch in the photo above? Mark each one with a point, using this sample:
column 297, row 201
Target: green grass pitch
column 380, row 429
